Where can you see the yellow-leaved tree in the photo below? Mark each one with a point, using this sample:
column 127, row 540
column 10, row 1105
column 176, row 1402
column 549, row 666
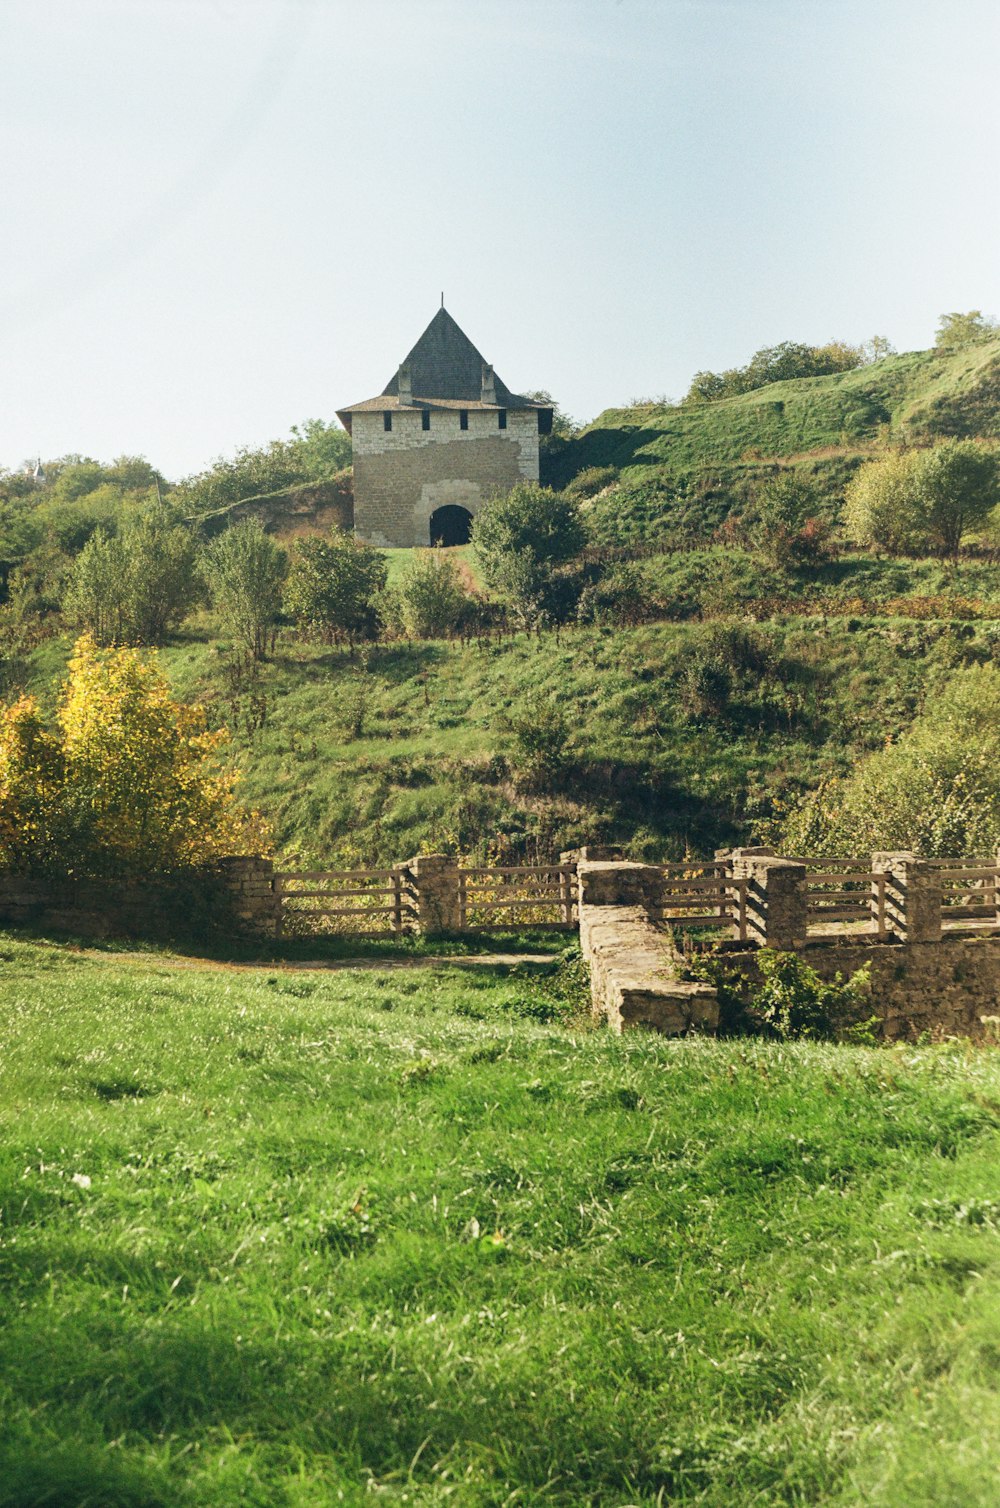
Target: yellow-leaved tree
column 128, row 784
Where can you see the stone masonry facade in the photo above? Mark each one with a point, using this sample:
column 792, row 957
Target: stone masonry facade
column 402, row 475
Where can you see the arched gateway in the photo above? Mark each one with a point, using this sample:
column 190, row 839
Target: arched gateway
column 451, row 525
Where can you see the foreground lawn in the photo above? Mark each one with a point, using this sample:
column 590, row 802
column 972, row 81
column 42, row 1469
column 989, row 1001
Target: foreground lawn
column 295, row 1238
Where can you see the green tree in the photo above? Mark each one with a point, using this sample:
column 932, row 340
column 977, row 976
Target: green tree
column 429, row 596
column 958, row 489
column 322, row 449
column 876, row 348
column 314, row 452
column 544, row 524
column 134, row 587
column 781, row 363
column 245, row 571
column 563, row 427
column 920, row 499
column 956, row 330
column 882, row 504
column 520, row 537
column 333, row 581
column 97, row 597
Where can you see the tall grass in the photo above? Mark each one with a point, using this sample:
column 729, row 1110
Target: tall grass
column 295, row 1238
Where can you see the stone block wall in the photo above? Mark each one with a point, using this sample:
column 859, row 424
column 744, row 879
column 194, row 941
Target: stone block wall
column 944, row 987
column 232, row 896
column 921, row 981
column 402, row 475
column 634, row 975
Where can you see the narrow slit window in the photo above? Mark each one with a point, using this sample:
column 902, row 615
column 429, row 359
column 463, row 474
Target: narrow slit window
column 463, row 418
column 501, row 418
column 387, row 419
column 425, row 418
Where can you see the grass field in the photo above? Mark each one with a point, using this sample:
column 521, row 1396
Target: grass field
column 294, row 1238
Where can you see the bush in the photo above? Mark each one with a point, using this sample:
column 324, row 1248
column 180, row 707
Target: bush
column 125, row 785
column 621, row 596
column 936, row 791
column 135, row 586
column 793, row 1002
column 956, row 330
column 332, row 585
column 912, row 500
column 245, row 571
column 535, row 734
column 429, row 600
column 783, row 526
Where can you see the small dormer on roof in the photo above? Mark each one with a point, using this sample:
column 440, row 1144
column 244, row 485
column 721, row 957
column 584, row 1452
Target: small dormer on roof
column 444, row 370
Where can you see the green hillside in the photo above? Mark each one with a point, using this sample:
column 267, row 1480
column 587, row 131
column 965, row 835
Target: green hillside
column 691, row 463
column 367, row 760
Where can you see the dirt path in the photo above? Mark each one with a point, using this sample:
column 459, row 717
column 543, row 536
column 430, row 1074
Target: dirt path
column 376, row 965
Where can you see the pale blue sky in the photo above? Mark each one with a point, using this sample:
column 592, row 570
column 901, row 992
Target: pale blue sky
column 222, row 217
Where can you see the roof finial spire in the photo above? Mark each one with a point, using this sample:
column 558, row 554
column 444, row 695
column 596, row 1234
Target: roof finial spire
column 442, row 300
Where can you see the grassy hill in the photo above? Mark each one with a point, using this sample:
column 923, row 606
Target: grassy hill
column 695, row 460
column 368, row 759
column 288, row 1238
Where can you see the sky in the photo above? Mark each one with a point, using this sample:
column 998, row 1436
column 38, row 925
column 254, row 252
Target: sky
column 224, row 217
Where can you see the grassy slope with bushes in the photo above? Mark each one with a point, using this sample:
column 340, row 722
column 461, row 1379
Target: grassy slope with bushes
column 678, row 734
column 290, row 1238
column 823, row 425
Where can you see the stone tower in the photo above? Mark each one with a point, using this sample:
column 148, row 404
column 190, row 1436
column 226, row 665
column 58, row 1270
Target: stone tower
column 443, row 435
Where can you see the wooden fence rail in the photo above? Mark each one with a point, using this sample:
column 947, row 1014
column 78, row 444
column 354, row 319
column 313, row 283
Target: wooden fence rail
column 852, row 895
column 968, row 891
column 702, row 896
column 329, row 901
column 494, row 896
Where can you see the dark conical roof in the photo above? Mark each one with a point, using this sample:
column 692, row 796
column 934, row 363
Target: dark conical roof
column 445, row 364
column 446, row 371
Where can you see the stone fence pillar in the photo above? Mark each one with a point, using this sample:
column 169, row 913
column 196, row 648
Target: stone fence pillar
column 610, row 883
column 912, row 896
column 435, row 884
column 600, row 852
column 253, row 897
column 776, row 897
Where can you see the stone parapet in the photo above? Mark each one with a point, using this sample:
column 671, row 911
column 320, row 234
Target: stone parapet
column 634, row 978
column 619, row 883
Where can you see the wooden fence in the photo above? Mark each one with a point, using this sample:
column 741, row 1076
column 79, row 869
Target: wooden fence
column 702, row 895
column 352, row 902
column 968, row 892
column 505, row 896
column 845, row 896
column 844, row 893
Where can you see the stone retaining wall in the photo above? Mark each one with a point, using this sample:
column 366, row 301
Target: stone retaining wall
column 944, row 987
column 232, row 895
